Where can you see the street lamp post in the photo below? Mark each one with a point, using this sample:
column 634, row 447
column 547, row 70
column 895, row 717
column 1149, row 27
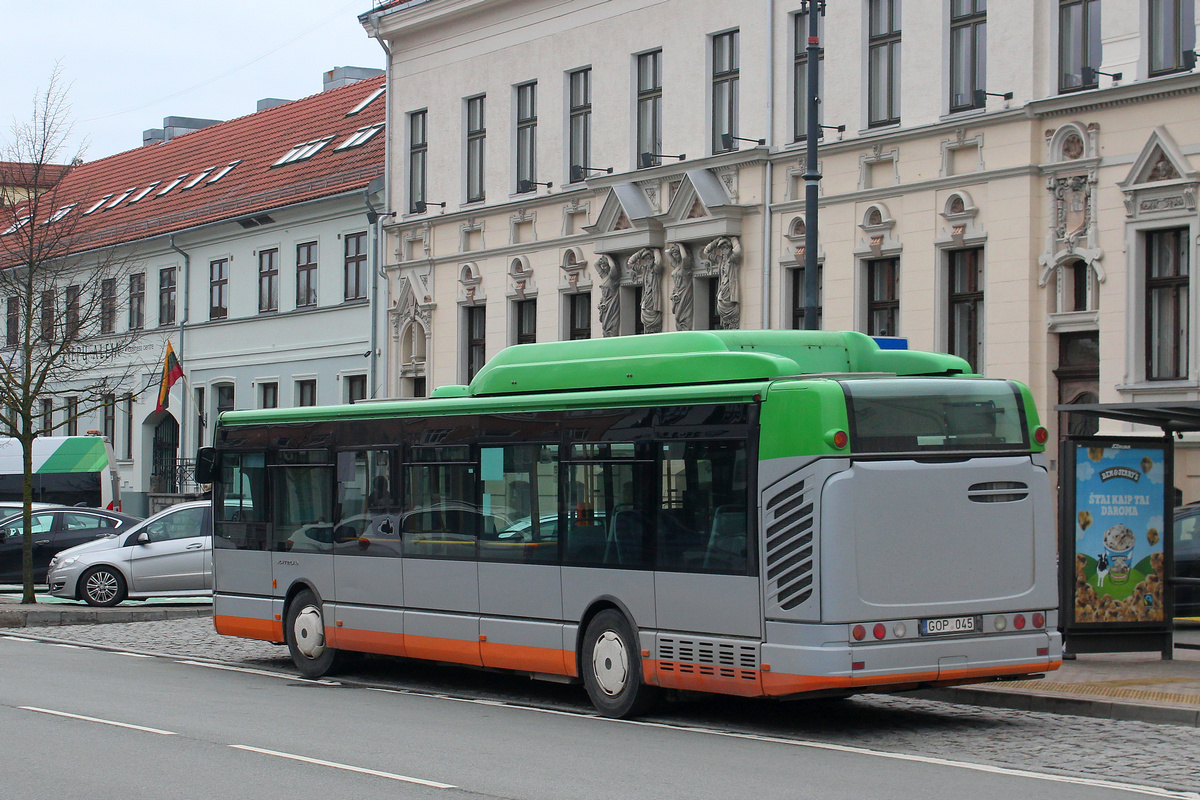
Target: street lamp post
column 812, row 177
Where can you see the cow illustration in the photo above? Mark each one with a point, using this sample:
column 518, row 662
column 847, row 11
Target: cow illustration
column 1101, row 569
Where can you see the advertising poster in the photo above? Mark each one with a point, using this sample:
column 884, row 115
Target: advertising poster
column 1119, row 533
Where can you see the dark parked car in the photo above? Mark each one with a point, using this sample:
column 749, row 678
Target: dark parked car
column 54, row 528
column 1187, row 559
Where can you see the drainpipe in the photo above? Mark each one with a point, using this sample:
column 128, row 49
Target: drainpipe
column 768, row 173
column 183, row 321
column 378, row 239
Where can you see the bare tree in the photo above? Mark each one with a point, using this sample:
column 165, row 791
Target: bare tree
column 61, row 299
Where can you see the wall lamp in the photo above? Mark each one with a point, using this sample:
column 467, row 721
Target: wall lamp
column 579, row 174
column 373, row 215
column 980, row 97
column 839, row 128
column 727, row 140
column 1090, row 73
column 646, row 160
column 421, row 206
column 527, row 186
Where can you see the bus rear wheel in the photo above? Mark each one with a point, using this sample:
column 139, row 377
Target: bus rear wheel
column 305, row 634
column 612, row 668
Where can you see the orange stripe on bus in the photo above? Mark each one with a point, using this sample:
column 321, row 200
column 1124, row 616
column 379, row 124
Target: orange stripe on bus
column 527, row 659
column 249, row 628
column 437, row 649
column 386, row 644
column 703, row 678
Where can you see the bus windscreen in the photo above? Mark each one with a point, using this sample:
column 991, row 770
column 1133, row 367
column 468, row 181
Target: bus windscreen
column 935, row 414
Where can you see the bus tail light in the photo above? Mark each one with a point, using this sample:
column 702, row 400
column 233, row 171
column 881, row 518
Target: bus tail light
column 879, row 631
column 1001, row 622
column 837, row 438
column 1039, row 620
column 1041, row 435
column 1019, row 621
column 859, row 633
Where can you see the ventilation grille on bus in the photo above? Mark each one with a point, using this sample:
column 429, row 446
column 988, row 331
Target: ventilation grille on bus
column 789, row 538
column 998, row 492
column 698, row 657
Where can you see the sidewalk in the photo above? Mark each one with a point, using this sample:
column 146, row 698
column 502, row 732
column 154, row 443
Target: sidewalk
column 1131, row 686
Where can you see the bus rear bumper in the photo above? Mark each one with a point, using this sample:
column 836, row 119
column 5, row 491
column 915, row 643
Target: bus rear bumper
column 897, row 666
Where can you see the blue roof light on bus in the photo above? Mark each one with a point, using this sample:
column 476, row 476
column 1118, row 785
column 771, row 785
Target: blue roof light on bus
column 891, row 342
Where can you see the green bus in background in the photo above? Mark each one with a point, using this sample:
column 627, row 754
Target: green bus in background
column 67, row 470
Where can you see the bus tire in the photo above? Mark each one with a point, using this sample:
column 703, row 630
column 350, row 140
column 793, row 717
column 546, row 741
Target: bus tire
column 305, row 635
column 612, row 667
column 102, row 586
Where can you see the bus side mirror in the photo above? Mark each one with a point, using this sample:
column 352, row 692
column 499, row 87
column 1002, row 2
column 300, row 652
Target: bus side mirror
column 208, row 465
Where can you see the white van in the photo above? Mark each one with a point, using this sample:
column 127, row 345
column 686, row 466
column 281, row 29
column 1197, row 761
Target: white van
column 68, row 470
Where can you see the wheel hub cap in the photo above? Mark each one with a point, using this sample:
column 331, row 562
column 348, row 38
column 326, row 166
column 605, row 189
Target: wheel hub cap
column 309, row 632
column 610, row 663
column 102, row 586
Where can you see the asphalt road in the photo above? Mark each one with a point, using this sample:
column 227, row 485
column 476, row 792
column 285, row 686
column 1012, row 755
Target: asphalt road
column 79, row 721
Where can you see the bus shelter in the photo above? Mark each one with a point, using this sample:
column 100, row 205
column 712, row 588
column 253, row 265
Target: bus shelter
column 1116, row 515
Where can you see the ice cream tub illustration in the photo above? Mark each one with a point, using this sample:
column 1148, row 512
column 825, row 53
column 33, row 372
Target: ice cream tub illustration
column 1118, row 543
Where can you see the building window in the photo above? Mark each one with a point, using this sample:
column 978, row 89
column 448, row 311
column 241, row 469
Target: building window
column 306, row 274
column 883, row 46
column 356, row 388
column 525, row 312
column 579, row 311
column 800, row 75
column 137, row 301
column 799, row 296
column 1078, row 44
column 1172, row 36
column 306, row 393
column 127, row 452
column 476, row 139
column 356, row 266
column 526, row 137
column 476, row 351
column 72, row 416
column 218, row 289
column 968, row 54
column 649, row 106
column 1167, row 285
column 965, row 298
column 725, row 58
column 201, row 418
column 12, row 333
column 166, row 296
column 108, row 410
column 418, row 149
column 580, row 124
column 224, row 398
column 108, row 305
column 47, row 309
column 268, row 280
column 72, row 322
column 268, row 395
column 883, row 296
column 47, row 417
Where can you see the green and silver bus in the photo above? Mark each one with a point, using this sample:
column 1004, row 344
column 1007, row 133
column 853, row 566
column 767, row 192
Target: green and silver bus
column 756, row 513
column 67, row 470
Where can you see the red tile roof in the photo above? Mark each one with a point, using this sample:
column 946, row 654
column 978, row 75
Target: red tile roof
column 21, row 175
column 253, row 186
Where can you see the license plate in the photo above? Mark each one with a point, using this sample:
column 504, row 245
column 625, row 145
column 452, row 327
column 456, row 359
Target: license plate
column 938, row 626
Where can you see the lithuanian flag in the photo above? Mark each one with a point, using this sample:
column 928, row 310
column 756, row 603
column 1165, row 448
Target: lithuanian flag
column 172, row 371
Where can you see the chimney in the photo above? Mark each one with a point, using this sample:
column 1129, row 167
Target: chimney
column 175, row 126
column 270, row 102
column 338, row 77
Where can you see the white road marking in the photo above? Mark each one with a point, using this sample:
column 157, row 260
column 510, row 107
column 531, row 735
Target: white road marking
column 130, row 655
column 347, row 767
column 67, row 646
column 1152, row 791
column 19, row 639
column 97, row 719
column 264, row 672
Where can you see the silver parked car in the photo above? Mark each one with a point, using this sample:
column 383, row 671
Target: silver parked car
column 169, row 554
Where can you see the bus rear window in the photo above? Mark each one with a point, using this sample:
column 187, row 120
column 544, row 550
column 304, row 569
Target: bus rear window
column 935, row 414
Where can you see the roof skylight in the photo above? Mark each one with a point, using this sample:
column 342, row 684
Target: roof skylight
column 224, row 171
column 62, row 212
column 143, row 192
column 371, row 98
column 99, row 203
column 19, row 223
column 171, row 185
column 360, row 137
column 303, row 151
column 120, row 198
column 199, row 177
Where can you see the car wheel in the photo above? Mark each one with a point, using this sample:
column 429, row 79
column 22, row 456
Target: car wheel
column 305, row 634
column 102, row 586
column 612, row 668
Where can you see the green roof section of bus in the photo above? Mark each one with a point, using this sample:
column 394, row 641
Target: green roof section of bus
column 690, row 357
column 77, row 454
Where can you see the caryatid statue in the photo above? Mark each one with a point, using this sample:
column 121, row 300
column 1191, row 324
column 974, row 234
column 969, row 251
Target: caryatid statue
column 725, row 253
column 646, row 264
column 609, row 307
column 682, row 291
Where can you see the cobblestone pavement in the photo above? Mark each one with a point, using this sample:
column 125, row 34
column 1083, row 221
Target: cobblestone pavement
column 1130, row 752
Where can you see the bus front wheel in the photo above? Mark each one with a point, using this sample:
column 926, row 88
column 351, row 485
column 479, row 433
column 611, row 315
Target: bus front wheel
column 305, row 632
column 612, row 668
